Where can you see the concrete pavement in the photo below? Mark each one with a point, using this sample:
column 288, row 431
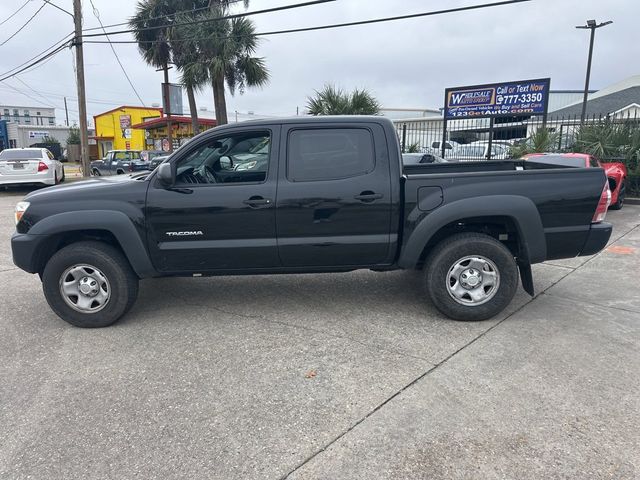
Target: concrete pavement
column 327, row 376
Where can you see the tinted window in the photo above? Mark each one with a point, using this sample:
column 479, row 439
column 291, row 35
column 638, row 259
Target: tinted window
column 329, row 154
column 593, row 162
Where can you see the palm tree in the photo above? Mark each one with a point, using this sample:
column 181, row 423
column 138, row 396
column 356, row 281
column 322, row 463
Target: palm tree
column 161, row 46
column 227, row 49
column 333, row 101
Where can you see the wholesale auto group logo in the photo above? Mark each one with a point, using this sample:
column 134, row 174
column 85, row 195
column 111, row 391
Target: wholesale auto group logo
column 475, row 98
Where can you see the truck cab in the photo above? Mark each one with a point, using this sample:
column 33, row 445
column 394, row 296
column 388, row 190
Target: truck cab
column 118, row 162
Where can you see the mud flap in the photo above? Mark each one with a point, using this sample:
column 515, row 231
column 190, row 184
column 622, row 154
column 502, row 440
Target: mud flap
column 526, row 277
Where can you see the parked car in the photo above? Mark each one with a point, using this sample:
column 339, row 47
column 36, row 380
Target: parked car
column 148, row 155
column 616, row 171
column 118, row 162
column 478, row 151
column 155, row 161
column 334, row 197
column 29, row 166
column 417, row 158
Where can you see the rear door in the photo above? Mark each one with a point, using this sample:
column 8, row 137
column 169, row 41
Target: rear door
column 334, row 196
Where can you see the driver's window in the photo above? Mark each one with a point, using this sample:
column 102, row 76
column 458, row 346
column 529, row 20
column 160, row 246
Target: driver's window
column 238, row 158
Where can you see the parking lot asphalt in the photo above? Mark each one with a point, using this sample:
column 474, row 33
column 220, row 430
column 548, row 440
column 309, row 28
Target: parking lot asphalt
column 332, row 376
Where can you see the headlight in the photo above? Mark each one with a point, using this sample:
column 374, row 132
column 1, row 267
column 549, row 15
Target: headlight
column 21, row 207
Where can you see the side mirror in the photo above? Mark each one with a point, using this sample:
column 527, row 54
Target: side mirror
column 165, row 175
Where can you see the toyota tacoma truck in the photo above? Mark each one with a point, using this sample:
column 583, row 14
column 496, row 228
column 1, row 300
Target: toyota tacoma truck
column 316, row 194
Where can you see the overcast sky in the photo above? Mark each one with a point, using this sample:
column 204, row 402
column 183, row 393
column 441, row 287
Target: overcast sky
column 406, row 63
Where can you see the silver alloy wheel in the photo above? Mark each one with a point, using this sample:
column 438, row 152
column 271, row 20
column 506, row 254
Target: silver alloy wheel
column 85, row 288
column 473, row 280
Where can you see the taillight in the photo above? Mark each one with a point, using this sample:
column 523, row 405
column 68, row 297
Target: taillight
column 42, row 167
column 603, row 204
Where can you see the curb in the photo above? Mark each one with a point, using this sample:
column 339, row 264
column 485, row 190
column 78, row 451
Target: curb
column 632, row 201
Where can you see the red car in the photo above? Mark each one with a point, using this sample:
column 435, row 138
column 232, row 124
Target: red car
column 616, row 171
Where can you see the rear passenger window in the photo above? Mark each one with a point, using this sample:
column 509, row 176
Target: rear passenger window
column 329, row 154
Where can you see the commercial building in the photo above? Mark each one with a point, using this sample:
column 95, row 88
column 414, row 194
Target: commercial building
column 114, row 128
column 621, row 99
column 155, row 131
column 33, row 116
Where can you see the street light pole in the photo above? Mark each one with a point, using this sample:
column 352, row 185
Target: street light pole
column 591, row 25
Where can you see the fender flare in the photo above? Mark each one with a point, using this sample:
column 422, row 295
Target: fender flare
column 521, row 210
column 117, row 223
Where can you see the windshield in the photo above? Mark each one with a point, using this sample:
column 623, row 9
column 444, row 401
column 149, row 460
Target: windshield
column 20, row 154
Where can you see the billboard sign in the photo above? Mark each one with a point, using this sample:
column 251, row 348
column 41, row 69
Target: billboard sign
column 526, row 97
column 174, row 92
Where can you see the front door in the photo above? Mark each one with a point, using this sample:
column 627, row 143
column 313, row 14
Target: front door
column 220, row 214
column 334, row 196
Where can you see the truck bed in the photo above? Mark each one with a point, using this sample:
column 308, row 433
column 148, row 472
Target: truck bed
column 564, row 197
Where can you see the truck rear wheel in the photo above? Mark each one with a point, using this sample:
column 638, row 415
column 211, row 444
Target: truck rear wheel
column 89, row 284
column 471, row 276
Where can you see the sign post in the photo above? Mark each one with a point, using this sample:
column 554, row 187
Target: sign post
column 496, row 100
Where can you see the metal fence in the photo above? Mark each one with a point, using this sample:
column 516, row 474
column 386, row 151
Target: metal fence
column 469, row 139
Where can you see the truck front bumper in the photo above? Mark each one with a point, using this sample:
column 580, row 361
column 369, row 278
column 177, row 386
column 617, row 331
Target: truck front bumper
column 28, row 251
column 597, row 238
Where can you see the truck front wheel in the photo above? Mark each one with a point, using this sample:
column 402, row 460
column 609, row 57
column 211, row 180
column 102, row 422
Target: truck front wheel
column 89, row 284
column 471, row 276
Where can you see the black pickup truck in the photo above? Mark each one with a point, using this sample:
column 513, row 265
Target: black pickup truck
column 317, row 194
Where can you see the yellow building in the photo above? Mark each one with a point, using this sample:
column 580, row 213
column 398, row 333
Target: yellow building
column 114, row 128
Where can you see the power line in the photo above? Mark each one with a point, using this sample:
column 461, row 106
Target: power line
column 25, row 24
column 206, row 20
column 71, row 97
column 14, row 13
column 34, row 91
column 161, row 17
column 40, row 60
column 340, row 25
column 41, row 53
column 59, row 8
column 96, row 13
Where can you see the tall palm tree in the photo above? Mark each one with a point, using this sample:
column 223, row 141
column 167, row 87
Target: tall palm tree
column 215, row 52
column 227, row 49
column 333, row 101
column 161, row 42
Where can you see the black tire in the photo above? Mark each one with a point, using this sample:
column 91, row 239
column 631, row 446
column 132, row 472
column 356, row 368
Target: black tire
column 96, row 172
column 455, row 248
column 620, row 202
column 55, row 178
column 64, row 176
column 119, row 172
column 123, row 283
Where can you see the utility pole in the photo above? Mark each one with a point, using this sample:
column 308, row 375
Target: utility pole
column 82, row 101
column 591, row 25
column 66, row 112
column 167, row 106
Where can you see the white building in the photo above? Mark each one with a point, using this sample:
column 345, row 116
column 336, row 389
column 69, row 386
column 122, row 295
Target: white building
column 21, row 115
column 22, row 136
